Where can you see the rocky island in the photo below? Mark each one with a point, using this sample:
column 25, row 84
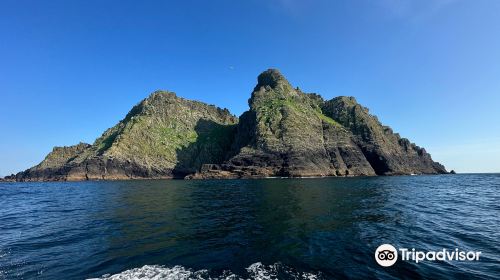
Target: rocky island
column 285, row 133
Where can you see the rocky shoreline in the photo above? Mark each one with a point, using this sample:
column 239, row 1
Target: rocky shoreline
column 285, row 133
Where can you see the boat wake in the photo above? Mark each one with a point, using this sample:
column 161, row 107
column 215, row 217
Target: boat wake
column 256, row 271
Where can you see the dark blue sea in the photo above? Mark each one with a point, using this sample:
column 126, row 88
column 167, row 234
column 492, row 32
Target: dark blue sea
column 249, row 229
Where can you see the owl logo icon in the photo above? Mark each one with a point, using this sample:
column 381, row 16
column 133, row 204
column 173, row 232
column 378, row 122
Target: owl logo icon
column 386, row 255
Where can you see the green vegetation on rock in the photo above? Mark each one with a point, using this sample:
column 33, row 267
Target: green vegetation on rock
column 285, row 133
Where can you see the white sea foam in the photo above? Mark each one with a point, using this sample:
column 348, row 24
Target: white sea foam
column 256, row 271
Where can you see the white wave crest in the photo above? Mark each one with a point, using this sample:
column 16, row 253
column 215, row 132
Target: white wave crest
column 256, row 271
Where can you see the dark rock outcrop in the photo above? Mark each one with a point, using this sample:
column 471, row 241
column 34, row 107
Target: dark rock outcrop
column 163, row 136
column 285, row 133
column 289, row 133
column 387, row 152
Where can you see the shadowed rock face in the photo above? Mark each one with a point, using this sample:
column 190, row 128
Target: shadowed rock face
column 293, row 134
column 387, row 152
column 163, row 136
column 285, row 133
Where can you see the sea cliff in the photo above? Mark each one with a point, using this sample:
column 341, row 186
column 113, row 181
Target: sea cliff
column 285, row 133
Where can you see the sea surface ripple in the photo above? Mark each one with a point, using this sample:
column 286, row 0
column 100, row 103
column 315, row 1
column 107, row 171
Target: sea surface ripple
column 326, row 228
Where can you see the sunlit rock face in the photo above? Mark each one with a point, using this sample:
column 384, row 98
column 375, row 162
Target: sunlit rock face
column 289, row 133
column 285, row 133
column 164, row 136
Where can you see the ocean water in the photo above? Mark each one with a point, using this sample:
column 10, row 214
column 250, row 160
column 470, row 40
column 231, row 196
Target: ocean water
column 324, row 228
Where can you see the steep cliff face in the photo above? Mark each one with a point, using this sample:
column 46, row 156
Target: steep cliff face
column 164, row 136
column 290, row 133
column 285, row 133
column 387, row 152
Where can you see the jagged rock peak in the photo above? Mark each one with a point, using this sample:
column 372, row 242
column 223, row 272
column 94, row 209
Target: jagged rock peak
column 162, row 94
column 346, row 99
column 271, row 85
column 270, row 77
column 285, row 132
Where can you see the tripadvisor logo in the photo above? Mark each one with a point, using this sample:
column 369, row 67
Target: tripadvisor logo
column 386, row 255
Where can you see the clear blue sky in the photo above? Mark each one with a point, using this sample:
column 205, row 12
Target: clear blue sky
column 428, row 68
